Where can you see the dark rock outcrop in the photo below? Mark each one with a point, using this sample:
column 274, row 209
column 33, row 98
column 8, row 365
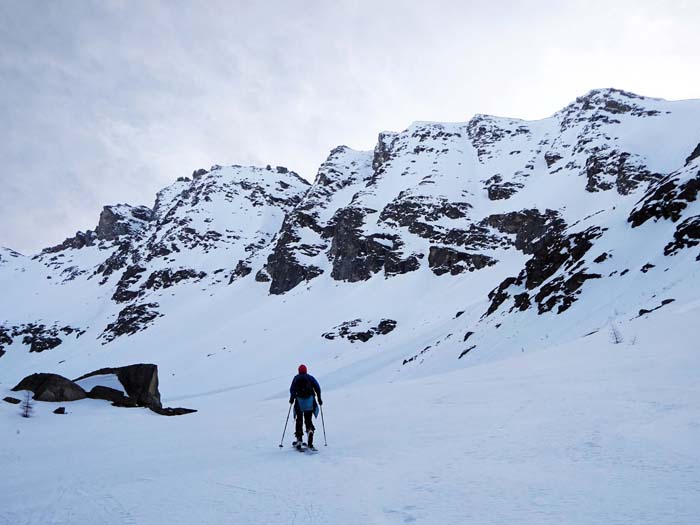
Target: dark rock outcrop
column 446, row 260
column 382, row 152
column 496, row 189
column 5, row 339
column 407, row 209
column 130, row 277
column 131, row 319
column 466, row 351
column 606, row 169
column 167, row 278
column 385, row 326
column 242, row 269
column 349, row 330
column 599, row 107
column 60, row 411
column 37, row 336
column 644, row 311
column 117, row 260
column 356, row 256
column 416, row 356
column 557, row 252
column 51, row 387
column 12, row 400
column 116, row 221
column 38, row 339
column 498, row 295
column 562, row 291
column 694, row 155
column 647, row 267
column 80, row 240
column 283, row 269
column 667, row 199
column 687, row 235
column 530, row 227
column 551, row 158
column 485, row 132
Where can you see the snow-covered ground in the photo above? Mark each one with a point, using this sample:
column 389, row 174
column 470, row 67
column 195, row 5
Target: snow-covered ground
column 588, row 432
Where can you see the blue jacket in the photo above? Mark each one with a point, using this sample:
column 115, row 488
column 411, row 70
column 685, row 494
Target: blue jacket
column 299, row 383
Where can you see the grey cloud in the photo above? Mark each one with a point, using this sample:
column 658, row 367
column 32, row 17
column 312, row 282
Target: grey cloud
column 109, row 101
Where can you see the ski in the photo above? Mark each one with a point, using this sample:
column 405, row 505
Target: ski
column 303, row 447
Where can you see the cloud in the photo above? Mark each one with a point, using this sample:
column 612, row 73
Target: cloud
column 109, row 101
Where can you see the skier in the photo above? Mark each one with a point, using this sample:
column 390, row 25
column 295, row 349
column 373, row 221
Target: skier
column 302, row 391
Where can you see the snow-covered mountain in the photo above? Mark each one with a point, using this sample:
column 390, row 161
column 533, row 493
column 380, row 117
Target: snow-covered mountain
column 449, row 247
column 530, row 231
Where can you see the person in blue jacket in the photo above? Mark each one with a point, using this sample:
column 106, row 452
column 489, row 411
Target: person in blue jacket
column 303, row 393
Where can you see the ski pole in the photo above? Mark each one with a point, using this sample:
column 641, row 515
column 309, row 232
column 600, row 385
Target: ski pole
column 323, row 424
column 285, row 424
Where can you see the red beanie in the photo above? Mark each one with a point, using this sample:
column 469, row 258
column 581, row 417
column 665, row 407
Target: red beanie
column 302, row 369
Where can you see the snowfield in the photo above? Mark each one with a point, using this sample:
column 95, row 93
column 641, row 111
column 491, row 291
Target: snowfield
column 587, row 432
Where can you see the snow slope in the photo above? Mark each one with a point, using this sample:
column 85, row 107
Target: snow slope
column 583, row 433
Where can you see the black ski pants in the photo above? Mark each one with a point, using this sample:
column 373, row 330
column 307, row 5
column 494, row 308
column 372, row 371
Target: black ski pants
column 307, row 418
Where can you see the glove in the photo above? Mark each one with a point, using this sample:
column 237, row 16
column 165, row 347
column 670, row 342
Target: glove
column 320, row 401
column 291, row 401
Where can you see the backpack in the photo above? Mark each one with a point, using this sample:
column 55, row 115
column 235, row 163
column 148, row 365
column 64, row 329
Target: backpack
column 304, row 388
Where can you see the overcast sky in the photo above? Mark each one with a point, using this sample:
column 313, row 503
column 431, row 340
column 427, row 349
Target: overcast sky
column 108, row 101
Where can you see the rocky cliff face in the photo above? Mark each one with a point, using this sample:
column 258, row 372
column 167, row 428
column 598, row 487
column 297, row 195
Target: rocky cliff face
column 531, row 213
column 196, row 231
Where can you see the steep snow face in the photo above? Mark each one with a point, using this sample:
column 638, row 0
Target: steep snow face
column 470, row 240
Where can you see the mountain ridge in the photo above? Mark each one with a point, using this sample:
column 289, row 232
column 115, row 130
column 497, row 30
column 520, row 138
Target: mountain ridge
column 505, row 221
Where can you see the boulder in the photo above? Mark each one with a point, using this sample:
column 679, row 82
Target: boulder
column 51, row 387
column 140, row 382
column 113, row 395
